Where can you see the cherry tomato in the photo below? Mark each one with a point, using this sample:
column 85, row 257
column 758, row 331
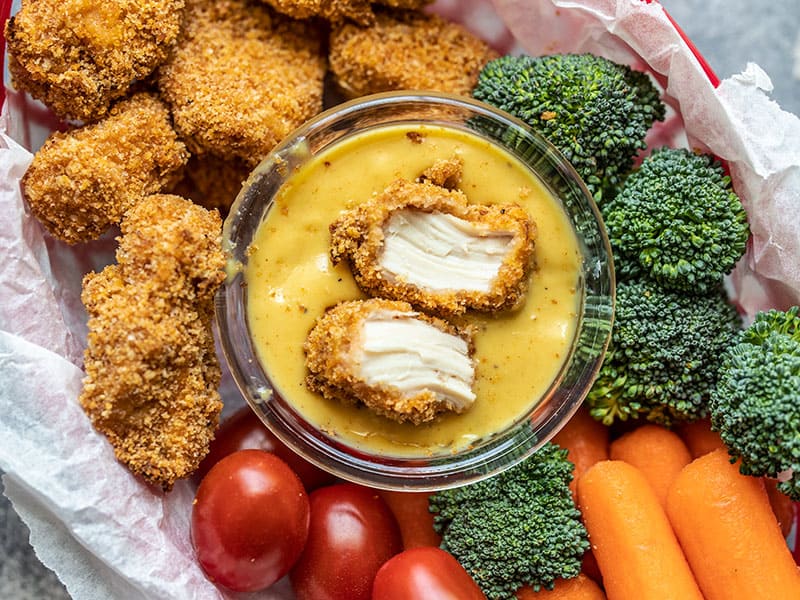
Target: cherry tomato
column 352, row 534
column 424, row 573
column 245, row 430
column 250, row 520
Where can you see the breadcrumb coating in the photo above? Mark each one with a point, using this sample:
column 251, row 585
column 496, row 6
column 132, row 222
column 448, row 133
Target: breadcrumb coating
column 359, row 11
column 78, row 56
column 360, row 237
column 82, row 181
column 334, row 360
column 241, row 77
column 152, row 375
column 406, row 50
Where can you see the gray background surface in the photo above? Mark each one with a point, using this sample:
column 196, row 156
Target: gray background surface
column 729, row 33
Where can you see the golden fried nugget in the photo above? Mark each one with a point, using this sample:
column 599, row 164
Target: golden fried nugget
column 426, row 245
column 82, row 181
column 241, row 77
column 335, row 11
column 152, row 375
column 78, row 56
column 406, row 50
column 400, row 363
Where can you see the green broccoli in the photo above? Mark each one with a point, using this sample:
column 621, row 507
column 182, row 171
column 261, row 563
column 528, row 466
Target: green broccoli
column 595, row 111
column 756, row 403
column 519, row 527
column 677, row 220
column 662, row 360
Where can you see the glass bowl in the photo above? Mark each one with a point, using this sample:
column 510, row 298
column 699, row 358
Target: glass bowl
column 542, row 416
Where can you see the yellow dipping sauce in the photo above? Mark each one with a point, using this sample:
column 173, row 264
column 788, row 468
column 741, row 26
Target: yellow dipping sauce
column 291, row 281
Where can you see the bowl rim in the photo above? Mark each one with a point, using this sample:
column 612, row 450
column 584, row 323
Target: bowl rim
column 445, row 470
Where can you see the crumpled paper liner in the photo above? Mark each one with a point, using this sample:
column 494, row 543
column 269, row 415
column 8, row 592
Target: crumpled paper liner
column 108, row 535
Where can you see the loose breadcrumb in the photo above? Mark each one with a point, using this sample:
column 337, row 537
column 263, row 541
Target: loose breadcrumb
column 152, row 375
column 78, row 56
column 406, row 50
column 334, row 362
column 83, row 180
column 358, row 236
column 241, row 77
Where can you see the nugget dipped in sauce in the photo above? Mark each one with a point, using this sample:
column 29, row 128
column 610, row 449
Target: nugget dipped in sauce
column 406, row 50
column 152, row 375
column 241, row 77
column 82, row 181
column 78, row 56
column 424, row 244
column 400, row 363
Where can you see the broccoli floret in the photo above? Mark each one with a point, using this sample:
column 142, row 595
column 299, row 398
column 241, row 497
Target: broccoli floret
column 663, row 357
column 677, row 219
column 756, row 404
column 595, row 111
column 520, row 527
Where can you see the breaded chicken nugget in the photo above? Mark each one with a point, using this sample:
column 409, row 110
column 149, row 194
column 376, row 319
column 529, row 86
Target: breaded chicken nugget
column 77, row 56
column 152, row 375
column 426, row 245
column 241, row 77
column 400, row 363
column 82, row 181
column 335, row 11
column 406, row 50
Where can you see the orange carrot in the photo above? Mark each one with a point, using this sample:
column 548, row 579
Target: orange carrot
column 635, row 547
column 586, row 441
column 699, row 437
column 412, row 514
column 729, row 533
column 782, row 506
column 656, row 451
column 577, row 588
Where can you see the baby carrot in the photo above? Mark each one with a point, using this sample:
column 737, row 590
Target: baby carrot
column 586, row 441
column 699, row 437
column 577, row 588
column 729, row 533
column 656, row 451
column 412, row 514
column 635, row 547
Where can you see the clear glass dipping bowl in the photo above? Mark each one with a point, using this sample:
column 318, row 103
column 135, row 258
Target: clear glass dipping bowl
column 530, row 430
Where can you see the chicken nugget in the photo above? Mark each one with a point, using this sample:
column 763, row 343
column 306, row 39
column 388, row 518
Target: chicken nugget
column 152, row 375
column 400, row 363
column 82, row 181
column 241, row 78
column 428, row 246
column 335, row 11
column 78, row 56
column 406, row 50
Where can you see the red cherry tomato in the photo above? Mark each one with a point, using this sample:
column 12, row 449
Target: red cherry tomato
column 424, row 573
column 250, row 521
column 245, row 430
column 352, row 534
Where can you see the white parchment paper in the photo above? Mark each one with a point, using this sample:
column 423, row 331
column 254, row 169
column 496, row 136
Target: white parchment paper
column 108, row 535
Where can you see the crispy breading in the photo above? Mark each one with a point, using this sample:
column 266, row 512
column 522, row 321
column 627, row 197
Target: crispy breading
column 213, row 182
column 82, row 181
column 241, row 77
column 410, row 382
column 78, row 56
column 152, row 375
column 406, row 50
column 336, row 11
column 436, row 231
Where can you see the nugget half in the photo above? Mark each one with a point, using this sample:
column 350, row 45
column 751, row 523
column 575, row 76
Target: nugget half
column 241, row 77
column 78, row 56
column 400, row 363
column 406, row 50
column 152, row 375
column 426, row 245
column 82, row 181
